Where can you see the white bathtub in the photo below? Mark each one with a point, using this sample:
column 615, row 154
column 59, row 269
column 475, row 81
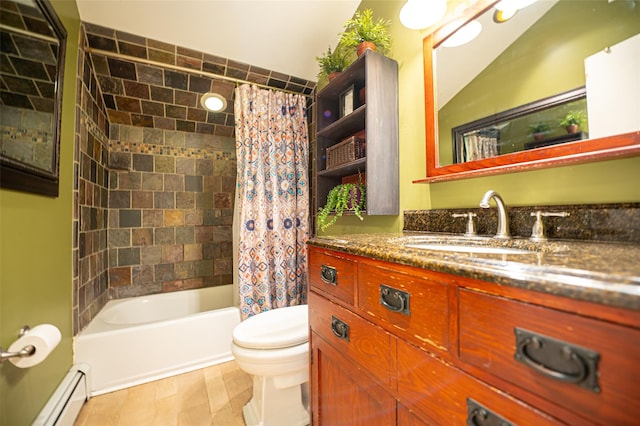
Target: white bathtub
column 140, row 339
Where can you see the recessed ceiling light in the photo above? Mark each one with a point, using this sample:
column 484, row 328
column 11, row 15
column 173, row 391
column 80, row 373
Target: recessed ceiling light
column 213, row 102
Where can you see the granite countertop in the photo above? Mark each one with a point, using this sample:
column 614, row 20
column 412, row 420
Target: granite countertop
column 604, row 273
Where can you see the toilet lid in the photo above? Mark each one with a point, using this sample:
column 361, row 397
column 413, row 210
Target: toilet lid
column 277, row 328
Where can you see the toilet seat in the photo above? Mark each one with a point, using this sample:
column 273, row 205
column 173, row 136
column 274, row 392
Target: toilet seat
column 274, row 329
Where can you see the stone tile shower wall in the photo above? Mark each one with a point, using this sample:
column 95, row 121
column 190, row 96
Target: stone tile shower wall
column 155, row 173
column 90, row 214
column 170, row 210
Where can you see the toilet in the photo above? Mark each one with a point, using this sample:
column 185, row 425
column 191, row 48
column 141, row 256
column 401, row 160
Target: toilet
column 274, row 348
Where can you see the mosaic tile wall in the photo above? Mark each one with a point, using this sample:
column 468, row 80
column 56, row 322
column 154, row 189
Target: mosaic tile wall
column 155, row 172
column 170, row 210
column 90, row 212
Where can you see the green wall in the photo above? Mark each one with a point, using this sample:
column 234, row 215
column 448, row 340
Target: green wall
column 612, row 181
column 36, row 262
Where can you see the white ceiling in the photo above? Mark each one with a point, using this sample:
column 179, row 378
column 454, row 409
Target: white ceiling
column 278, row 35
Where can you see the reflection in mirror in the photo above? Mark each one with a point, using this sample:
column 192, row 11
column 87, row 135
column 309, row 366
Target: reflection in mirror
column 33, row 41
column 534, row 125
column 536, row 56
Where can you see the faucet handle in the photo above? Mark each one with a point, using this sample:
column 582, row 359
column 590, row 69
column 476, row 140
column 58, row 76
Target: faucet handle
column 538, row 232
column 471, row 226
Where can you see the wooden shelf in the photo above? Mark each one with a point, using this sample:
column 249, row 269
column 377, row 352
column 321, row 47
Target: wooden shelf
column 375, row 118
column 346, row 169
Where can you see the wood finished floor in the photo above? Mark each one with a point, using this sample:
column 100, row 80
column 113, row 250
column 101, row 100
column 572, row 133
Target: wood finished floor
column 210, row 396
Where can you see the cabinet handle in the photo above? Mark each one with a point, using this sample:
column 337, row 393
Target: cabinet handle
column 477, row 415
column 395, row 300
column 557, row 359
column 340, row 328
column 329, row 275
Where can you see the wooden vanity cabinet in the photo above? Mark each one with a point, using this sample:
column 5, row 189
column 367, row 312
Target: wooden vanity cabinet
column 454, row 352
column 508, row 339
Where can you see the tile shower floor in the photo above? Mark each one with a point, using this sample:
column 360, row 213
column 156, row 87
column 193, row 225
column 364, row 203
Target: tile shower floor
column 210, row 396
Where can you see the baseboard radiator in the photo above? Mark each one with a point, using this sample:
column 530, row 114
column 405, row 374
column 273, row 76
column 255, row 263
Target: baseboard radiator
column 63, row 407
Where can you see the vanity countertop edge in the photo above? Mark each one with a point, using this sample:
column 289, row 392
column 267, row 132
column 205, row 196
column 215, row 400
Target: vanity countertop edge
column 602, row 273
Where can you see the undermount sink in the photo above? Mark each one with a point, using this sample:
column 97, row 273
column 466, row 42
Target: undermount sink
column 467, row 244
column 470, row 248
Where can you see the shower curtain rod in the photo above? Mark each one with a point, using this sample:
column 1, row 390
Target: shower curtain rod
column 187, row 70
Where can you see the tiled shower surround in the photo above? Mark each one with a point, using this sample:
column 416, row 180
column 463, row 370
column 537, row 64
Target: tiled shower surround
column 155, row 172
column 170, row 210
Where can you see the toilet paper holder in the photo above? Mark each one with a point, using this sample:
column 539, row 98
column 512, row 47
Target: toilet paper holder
column 23, row 353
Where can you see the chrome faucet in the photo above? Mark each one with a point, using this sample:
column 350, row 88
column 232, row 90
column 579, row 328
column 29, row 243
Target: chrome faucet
column 503, row 219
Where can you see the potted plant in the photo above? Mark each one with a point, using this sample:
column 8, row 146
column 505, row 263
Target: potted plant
column 332, row 63
column 572, row 121
column 341, row 198
column 364, row 32
column 538, row 130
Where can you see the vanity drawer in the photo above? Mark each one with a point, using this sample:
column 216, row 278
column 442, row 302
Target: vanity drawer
column 415, row 307
column 332, row 274
column 443, row 395
column 359, row 340
column 586, row 365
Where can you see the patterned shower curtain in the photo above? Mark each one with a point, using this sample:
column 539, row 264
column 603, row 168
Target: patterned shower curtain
column 272, row 150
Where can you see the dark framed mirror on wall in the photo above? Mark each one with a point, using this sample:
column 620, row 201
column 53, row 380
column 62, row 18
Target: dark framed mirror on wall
column 31, row 75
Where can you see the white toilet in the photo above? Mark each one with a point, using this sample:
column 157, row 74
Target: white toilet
column 274, row 347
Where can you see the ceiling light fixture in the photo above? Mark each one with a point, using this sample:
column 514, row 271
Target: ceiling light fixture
column 462, row 35
column 420, row 14
column 213, row 102
column 506, row 9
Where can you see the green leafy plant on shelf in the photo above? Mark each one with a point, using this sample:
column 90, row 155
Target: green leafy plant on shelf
column 342, row 198
column 573, row 118
column 538, row 128
column 332, row 62
column 363, row 27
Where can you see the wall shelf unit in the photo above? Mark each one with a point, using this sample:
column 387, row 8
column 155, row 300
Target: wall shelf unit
column 368, row 92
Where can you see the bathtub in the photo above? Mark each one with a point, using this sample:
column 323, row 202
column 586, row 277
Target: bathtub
column 141, row 339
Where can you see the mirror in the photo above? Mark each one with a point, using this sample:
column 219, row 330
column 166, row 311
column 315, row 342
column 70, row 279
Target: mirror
column 531, row 71
column 32, row 64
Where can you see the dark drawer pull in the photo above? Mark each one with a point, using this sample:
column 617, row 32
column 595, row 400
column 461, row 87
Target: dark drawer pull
column 395, row 300
column 329, row 275
column 477, row 415
column 340, row 328
column 557, row 359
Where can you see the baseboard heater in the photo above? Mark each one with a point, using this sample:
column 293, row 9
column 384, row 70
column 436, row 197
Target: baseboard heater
column 63, row 407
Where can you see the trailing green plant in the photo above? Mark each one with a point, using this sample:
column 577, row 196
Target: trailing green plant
column 573, row 118
column 329, row 62
column 363, row 27
column 539, row 127
column 341, row 198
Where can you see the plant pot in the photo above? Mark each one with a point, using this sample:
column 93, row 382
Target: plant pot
column 364, row 46
column 538, row 136
column 572, row 128
column 333, row 75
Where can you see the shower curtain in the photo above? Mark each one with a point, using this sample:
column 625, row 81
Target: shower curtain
column 273, row 190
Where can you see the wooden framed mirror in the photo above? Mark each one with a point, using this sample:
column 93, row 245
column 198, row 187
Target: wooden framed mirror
column 542, row 52
column 33, row 47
